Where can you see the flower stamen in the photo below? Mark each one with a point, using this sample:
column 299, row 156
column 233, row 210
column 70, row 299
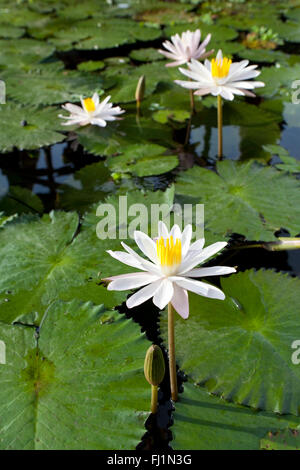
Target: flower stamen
column 168, row 252
column 220, row 67
column 89, row 105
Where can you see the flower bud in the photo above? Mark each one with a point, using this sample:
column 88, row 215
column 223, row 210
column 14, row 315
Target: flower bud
column 140, row 89
column 154, row 366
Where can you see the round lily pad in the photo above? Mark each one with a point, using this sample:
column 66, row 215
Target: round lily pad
column 240, row 348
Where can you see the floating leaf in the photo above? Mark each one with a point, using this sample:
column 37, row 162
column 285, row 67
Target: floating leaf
column 205, row 422
column 143, row 160
column 23, row 52
column 240, row 193
column 148, row 54
column 20, row 201
column 43, row 259
column 49, row 85
column 91, row 66
column 28, row 128
column 241, row 348
column 118, row 135
column 79, row 386
column 85, row 187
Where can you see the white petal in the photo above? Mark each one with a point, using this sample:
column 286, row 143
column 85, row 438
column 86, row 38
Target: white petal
column 146, row 245
column 143, row 294
column 219, row 55
column 145, row 264
column 186, row 240
column 198, row 287
column 125, row 258
column 175, row 232
column 164, row 294
column 98, row 122
column 193, row 259
column 131, row 281
column 163, row 230
column 213, row 271
column 95, row 98
column 180, row 301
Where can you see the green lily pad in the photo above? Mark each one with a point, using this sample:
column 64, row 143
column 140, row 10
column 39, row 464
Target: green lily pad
column 50, row 85
column 28, row 128
column 85, row 187
column 148, row 54
column 126, row 79
column 9, row 31
column 102, row 33
column 240, row 193
column 205, row 422
column 241, row 348
column 4, row 219
column 45, row 259
column 289, row 164
column 80, row 385
column 23, row 52
column 20, row 201
column 91, row 66
column 118, row 135
column 143, row 160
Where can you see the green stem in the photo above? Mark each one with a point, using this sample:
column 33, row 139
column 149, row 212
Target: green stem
column 192, row 102
column 172, row 361
column 154, row 394
column 220, row 128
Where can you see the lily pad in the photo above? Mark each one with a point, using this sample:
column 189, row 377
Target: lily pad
column 241, row 348
column 28, row 127
column 143, row 160
column 80, row 385
column 44, row 259
column 85, row 187
column 20, row 201
column 23, row 52
column 118, row 135
column 50, row 85
column 148, row 54
column 240, row 193
column 205, row 422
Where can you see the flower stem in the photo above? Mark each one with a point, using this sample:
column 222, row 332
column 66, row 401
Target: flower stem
column 154, row 393
column 172, row 361
column 220, row 128
column 192, row 102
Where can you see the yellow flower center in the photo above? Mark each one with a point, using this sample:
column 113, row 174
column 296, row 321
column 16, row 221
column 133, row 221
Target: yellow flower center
column 220, row 68
column 168, row 252
column 89, row 105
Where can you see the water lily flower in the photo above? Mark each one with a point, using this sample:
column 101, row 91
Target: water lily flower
column 168, row 273
column 221, row 76
column 183, row 48
column 91, row 111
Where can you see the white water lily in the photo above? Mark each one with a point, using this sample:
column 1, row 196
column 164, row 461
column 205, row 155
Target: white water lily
column 168, row 272
column 91, row 111
column 183, row 48
column 221, row 76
